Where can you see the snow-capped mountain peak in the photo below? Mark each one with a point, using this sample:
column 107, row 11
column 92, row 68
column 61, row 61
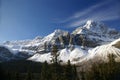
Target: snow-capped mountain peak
column 103, row 51
column 59, row 32
column 38, row 38
column 54, row 35
column 97, row 31
column 89, row 23
column 93, row 24
column 91, row 36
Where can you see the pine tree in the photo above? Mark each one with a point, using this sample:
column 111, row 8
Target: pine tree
column 104, row 71
column 54, row 54
column 45, row 72
column 56, row 68
column 111, row 65
column 2, row 74
column 16, row 76
column 9, row 76
column 75, row 75
column 28, row 76
column 82, row 75
column 69, row 71
column 111, row 58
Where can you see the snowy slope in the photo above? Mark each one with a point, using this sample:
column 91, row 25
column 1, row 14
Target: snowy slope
column 38, row 41
column 41, row 57
column 17, row 45
column 51, row 37
column 79, row 55
column 97, row 31
column 30, row 47
column 20, row 45
column 64, row 55
column 102, row 52
column 116, row 43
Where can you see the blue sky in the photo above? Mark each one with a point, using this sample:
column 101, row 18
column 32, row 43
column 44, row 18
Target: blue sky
column 26, row 19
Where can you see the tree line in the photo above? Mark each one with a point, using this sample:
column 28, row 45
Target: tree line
column 103, row 71
column 54, row 71
column 44, row 71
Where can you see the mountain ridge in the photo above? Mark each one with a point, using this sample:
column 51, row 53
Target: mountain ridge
column 81, row 40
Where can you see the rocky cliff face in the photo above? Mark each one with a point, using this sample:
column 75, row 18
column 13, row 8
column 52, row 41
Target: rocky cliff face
column 90, row 35
column 95, row 33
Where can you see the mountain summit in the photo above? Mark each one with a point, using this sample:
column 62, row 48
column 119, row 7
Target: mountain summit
column 91, row 26
column 97, row 32
column 54, row 35
column 73, row 46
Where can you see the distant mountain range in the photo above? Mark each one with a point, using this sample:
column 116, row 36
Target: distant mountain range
column 86, row 42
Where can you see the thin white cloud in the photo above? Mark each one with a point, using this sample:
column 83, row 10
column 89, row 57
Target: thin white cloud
column 77, row 23
column 95, row 12
column 82, row 21
column 86, row 11
column 90, row 9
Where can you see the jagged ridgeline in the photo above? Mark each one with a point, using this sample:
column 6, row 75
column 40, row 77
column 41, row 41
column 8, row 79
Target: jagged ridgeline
column 74, row 46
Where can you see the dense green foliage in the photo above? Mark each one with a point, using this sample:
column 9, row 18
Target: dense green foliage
column 47, row 71
column 28, row 70
column 103, row 71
